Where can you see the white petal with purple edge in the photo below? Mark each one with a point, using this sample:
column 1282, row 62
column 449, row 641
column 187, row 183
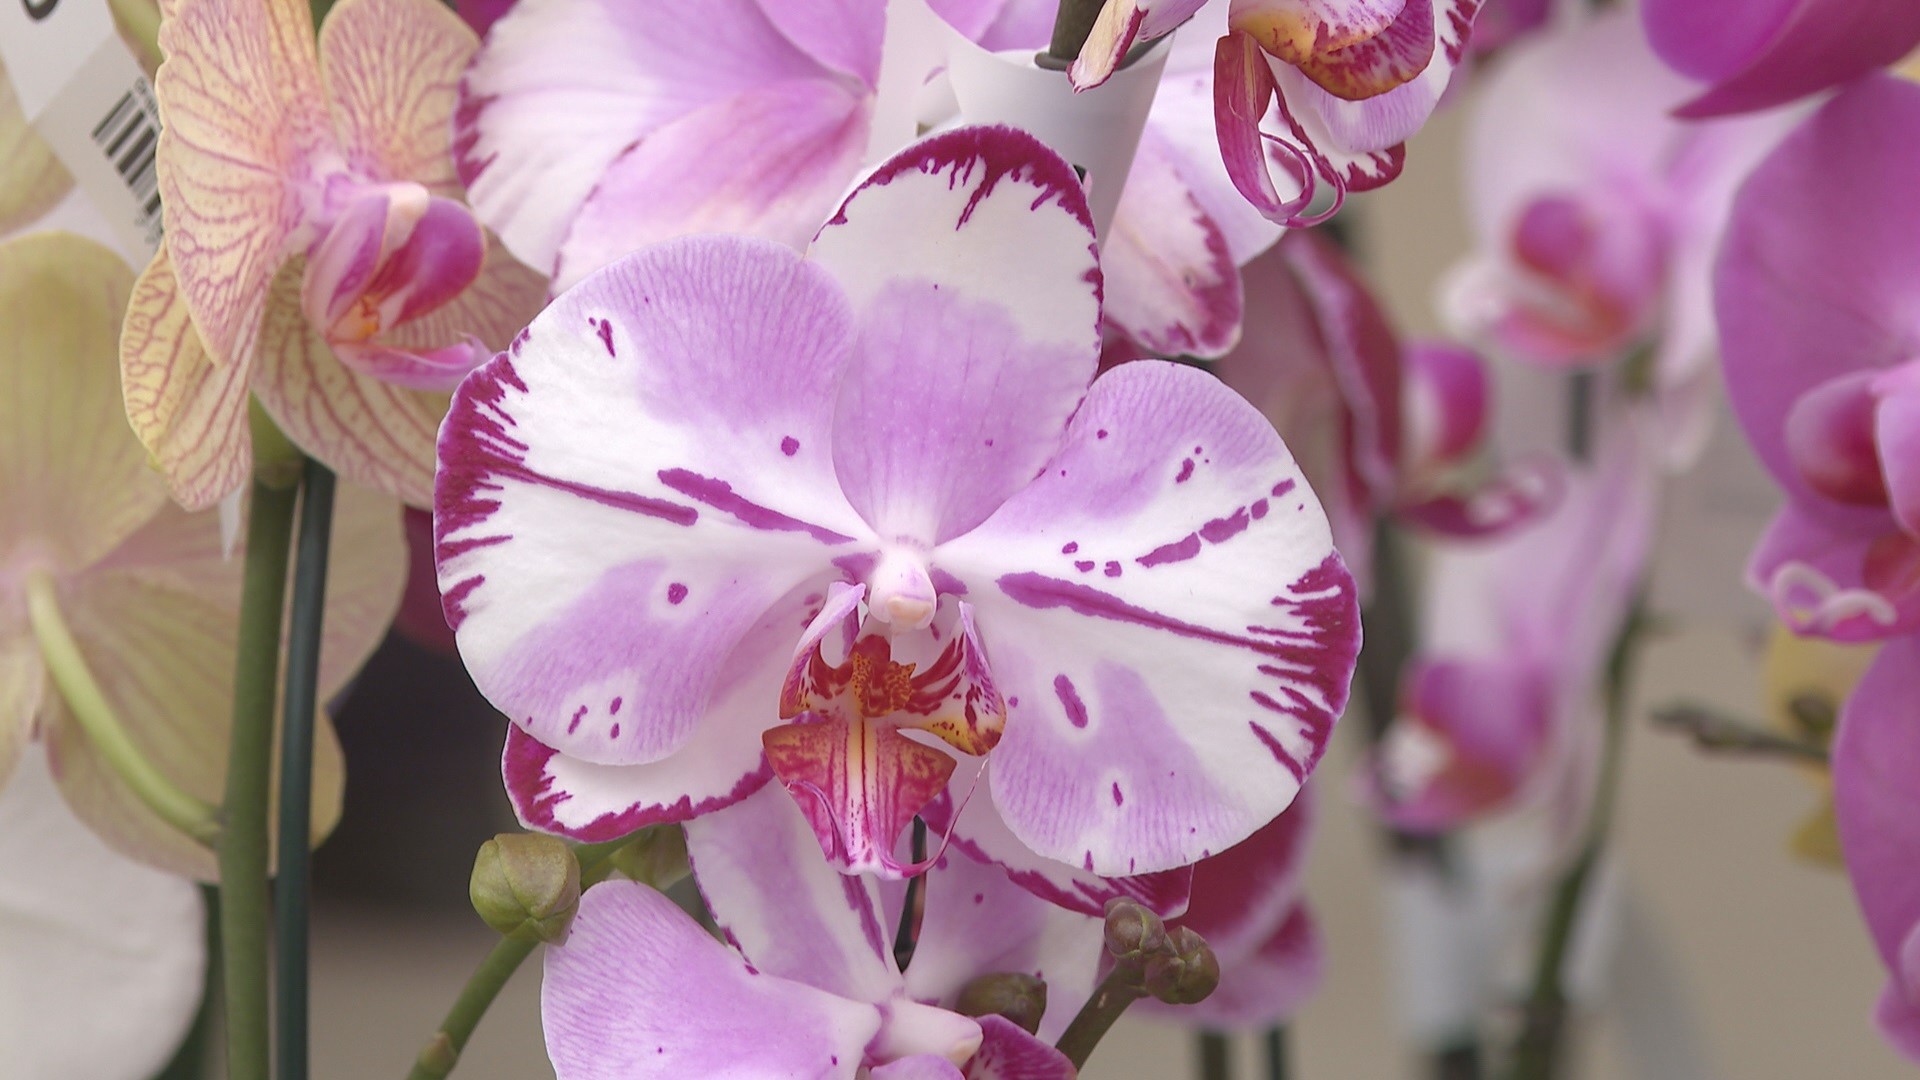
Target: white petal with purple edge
column 625, row 493
column 640, row 992
column 976, row 291
column 1169, row 623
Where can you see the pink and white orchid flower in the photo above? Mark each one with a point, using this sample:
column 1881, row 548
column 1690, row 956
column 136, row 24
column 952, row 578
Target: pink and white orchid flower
column 141, row 587
column 639, row 990
column 1816, row 293
column 660, row 513
column 1876, row 754
column 1500, row 704
column 1597, row 215
column 1756, row 54
column 316, row 255
column 1351, row 80
column 592, row 128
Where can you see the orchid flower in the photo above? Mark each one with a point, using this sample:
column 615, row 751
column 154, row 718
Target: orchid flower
column 755, row 118
column 1815, row 294
column 1378, row 428
column 1353, row 81
column 1121, row 25
column 117, row 607
column 1876, row 754
column 1597, row 215
column 315, row 253
column 719, row 496
column 813, row 989
column 1756, row 54
column 1499, row 704
column 1249, row 905
column 32, row 180
column 103, row 956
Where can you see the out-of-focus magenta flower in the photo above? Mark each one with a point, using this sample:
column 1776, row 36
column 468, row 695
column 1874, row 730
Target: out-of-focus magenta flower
column 640, row 991
column 316, row 255
column 1501, row 23
column 1816, row 292
column 1501, row 700
column 1597, row 215
column 1352, row 81
column 1876, row 755
column 1756, row 54
column 592, row 128
column 1378, row 429
column 1249, row 905
column 662, row 515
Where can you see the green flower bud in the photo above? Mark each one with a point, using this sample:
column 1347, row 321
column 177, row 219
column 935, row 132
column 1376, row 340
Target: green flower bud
column 1019, row 997
column 656, row 856
column 1186, row 972
column 526, row 880
column 1133, row 933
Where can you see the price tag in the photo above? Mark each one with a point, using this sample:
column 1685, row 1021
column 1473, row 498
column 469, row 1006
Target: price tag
column 85, row 94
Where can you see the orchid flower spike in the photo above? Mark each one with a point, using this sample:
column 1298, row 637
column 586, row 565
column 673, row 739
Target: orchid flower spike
column 316, row 256
column 1755, row 54
column 1353, row 81
column 806, row 984
column 118, row 612
column 755, row 118
column 857, row 521
column 1597, row 216
column 1816, row 293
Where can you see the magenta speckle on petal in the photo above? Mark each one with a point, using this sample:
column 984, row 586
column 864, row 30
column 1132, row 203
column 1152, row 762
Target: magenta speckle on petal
column 605, row 330
column 1070, row 700
column 1259, row 509
column 1113, row 568
column 1071, row 547
column 979, row 898
column 1101, row 434
column 1186, row 471
column 615, row 733
column 789, row 446
column 613, row 707
column 676, row 592
column 1013, row 702
column 1282, row 488
column 574, row 724
column 1083, row 565
column 1118, row 799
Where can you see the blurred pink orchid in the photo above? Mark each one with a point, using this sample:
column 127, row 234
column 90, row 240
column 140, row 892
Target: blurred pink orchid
column 588, row 129
column 1597, row 215
column 1351, row 80
column 1499, row 706
column 1122, row 594
column 1815, row 292
column 1756, row 54
column 813, row 988
column 316, row 255
column 1378, row 428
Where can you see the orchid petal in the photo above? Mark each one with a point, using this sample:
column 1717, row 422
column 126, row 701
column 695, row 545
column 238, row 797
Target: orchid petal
column 1830, row 439
column 490, row 310
column 977, row 922
column 640, row 992
column 966, row 365
column 1298, row 30
column 391, row 69
column 1815, row 570
column 1119, row 26
column 1181, row 123
column 1447, row 402
column 1267, row 987
column 1105, row 763
column 778, row 902
column 1171, row 283
column 1762, row 53
column 842, row 34
column 564, row 87
column 32, row 180
column 1472, row 735
column 373, row 433
column 764, row 162
column 156, row 622
column 104, row 956
column 1875, row 756
column 1242, row 895
column 23, row 685
column 1244, row 92
column 1896, row 428
column 71, row 485
column 1007, row 1052
column 980, row 832
column 1393, row 57
column 918, row 1067
column 652, row 454
column 189, row 414
column 859, row 783
column 241, row 116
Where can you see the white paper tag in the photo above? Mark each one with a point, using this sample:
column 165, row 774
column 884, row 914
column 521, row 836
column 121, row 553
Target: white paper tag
column 85, row 94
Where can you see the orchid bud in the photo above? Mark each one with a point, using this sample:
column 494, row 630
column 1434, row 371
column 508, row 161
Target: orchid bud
column 1019, row 997
column 1133, row 933
column 656, row 856
column 1185, row 972
column 526, row 880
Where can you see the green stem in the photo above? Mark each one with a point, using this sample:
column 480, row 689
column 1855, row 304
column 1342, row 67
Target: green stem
column 296, row 769
column 177, row 807
column 244, row 851
column 1717, row 731
column 1216, row 1056
column 1118, row 990
column 442, row 1052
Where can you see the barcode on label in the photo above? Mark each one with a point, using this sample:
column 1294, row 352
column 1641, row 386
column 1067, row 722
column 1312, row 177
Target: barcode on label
column 128, row 136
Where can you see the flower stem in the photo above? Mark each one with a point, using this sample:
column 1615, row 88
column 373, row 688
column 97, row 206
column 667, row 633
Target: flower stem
column 1717, row 731
column 1118, row 990
column 244, row 851
column 1216, row 1056
column 296, row 769
column 442, row 1052
column 176, row 806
